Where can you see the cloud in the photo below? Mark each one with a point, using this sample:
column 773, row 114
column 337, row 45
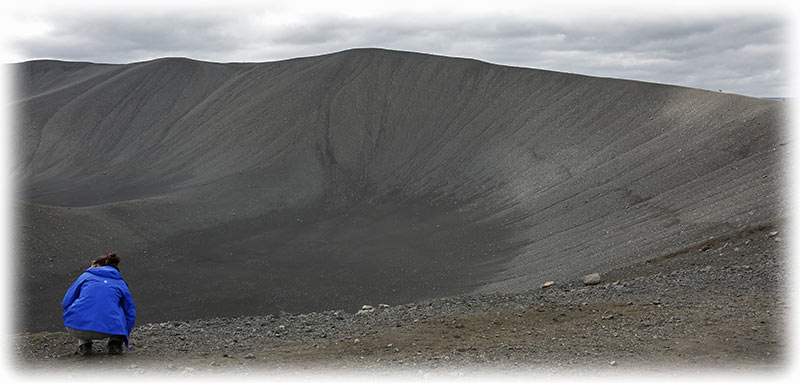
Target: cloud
column 737, row 53
column 131, row 37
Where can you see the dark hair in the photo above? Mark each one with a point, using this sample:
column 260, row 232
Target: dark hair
column 110, row 259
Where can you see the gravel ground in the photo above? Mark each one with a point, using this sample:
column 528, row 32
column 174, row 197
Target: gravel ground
column 720, row 306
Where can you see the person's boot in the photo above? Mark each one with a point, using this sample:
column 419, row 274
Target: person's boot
column 85, row 349
column 114, row 347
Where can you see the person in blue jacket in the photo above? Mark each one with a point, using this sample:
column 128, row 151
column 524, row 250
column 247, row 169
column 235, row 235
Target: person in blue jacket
column 99, row 305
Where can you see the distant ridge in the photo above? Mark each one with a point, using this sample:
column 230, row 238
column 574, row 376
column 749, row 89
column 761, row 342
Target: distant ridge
column 369, row 175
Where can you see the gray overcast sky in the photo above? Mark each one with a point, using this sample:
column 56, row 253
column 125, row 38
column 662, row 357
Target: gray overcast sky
column 721, row 45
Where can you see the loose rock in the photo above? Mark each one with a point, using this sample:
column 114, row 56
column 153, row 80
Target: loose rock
column 591, row 279
column 365, row 309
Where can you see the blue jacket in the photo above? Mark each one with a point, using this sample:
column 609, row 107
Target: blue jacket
column 100, row 301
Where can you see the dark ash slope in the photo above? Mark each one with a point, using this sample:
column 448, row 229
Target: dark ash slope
column 368, row 176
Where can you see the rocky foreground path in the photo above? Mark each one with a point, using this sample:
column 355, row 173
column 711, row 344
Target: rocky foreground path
column 718, row 306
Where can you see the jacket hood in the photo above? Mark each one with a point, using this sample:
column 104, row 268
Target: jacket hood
column 105, row 272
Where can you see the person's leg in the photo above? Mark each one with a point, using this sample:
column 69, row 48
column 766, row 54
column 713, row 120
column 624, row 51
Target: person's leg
column 115, row 344
column 85, row 339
